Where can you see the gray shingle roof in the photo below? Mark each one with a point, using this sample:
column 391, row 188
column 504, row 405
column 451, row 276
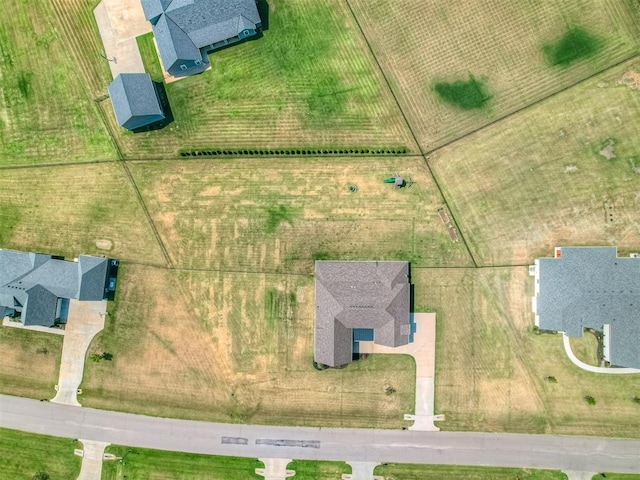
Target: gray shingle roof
column 186, row 29
column 32, row 283
column 359, row 295
column 588, row 287
column 93, row 277
column 134, row 99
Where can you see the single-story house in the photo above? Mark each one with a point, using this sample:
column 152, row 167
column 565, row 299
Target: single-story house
column 135, row 100
column 360, row 301
column 591, row 287
column 37, row 288
column 186, row 30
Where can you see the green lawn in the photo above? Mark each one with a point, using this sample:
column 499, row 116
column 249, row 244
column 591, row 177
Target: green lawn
column 617, row 476
column 46, row 112
column 22, row 455
column 148, row 464
column 403, row 471
column 310, row 470
column 309, row 81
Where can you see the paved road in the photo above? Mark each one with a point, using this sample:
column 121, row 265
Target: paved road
column 509, row 450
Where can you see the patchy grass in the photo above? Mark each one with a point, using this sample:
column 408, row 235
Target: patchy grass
column 505, row 389
column 215, row 214
column 22, row 455
column 207, row 350
column 46, row 114
column 467, row 95
column 148, row 464
column 405, row 471
column 297, row 86
column 30, row 362
column 65, row 210
column 617, row 476
column 500, row 42
column 310, row 470
column 575, row 44
column 537, row 180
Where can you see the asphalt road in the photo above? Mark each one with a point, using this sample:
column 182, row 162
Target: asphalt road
column 509, row 450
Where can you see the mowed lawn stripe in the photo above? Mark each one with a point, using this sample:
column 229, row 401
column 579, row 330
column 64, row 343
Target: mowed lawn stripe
column 45, row 115
column 67, row 210
column 273, row 216
column 308, row 82
column 498, row 43
column 234, row 348
column 542, row 179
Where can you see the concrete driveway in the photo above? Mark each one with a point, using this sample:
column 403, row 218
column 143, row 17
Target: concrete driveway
column 85, row 320
column 119, row 23
column 92, row 457
column 423, row 350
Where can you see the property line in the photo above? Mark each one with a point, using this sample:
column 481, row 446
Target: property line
column 143, row 205
column 56, row 164
column 216, row 270
column 532, row 104
column 413, row 134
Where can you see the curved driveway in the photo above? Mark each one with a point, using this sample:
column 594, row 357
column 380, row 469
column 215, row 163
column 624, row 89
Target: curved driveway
column 509, row 450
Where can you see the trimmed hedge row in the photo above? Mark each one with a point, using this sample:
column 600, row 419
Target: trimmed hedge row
column 292, row 151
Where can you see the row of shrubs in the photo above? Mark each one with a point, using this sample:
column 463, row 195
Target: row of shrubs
column 293, row 151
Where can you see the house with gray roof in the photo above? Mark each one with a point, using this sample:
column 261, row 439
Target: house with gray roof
column 359, row 300
column 591, row 287
column 135, row 100
column 186, row 30
column 37, row 288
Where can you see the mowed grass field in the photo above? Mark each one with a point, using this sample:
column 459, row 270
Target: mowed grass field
column 404, row 471
column 30, row 362
column 552, row 175
column 279, row 216
column 234, row 348
column 420, row 44
column 491, row 367
column 308, row 82
column 65, row 210
column 46, row 112
column 23, row 455
column 149, row 464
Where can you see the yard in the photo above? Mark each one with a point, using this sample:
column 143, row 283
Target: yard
column 46, row 114
column 501, row 44
column 279, row 216
column 308, row 82
column 30, row 362
column 403, row 471
column 69, row 210
column 23, row 455
column 234, row 347
column 492, row 369
column 565, row 172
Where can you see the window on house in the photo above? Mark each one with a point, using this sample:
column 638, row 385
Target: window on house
column 198, row 62
column 183, row 67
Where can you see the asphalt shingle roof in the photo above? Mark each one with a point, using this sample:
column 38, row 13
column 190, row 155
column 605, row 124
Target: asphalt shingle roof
column 588, row 287
column 134, row 99
column 33, row 283
column 183, row 27
column 359, row 295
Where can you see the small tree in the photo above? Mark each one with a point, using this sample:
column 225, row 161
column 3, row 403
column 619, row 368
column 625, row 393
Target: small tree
column 635, row 399
column 107, row 356
column 389, row 390
column 41, row 476
column 590, row 400
column 95, row 357
column 551, row 379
